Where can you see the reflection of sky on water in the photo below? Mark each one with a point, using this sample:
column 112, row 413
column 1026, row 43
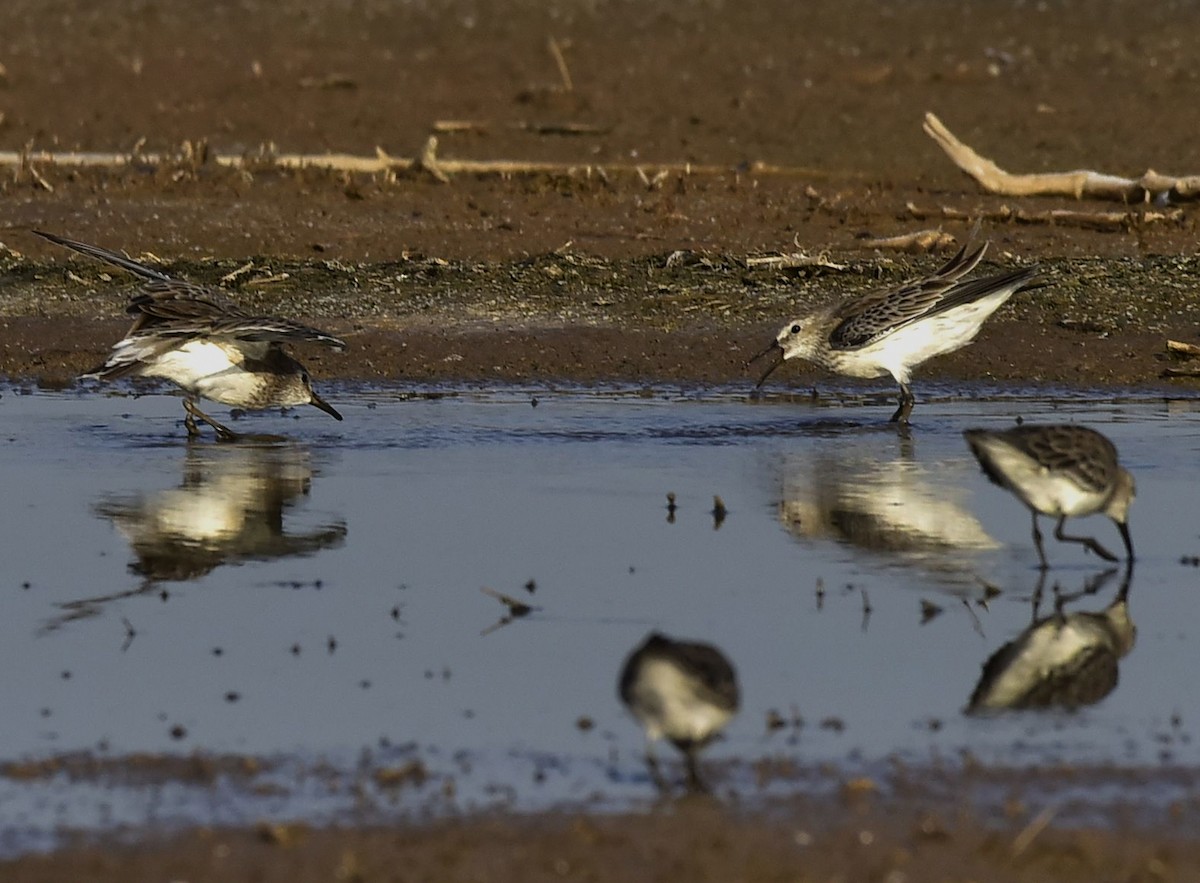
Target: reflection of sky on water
column 377, row 633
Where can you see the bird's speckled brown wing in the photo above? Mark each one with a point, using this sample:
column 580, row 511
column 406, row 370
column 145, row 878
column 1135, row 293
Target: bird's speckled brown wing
column 183, row 310
column 1082, row 453
column 176, row 310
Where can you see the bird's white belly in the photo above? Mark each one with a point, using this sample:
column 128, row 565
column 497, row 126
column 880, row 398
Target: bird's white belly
column 946, row 332
column 194, row 363
column 672, row 707
column 1057, row 495
column 1049, row 492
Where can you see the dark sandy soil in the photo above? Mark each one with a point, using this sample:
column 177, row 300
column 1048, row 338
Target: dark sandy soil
column 803, row 124
column 697, row 839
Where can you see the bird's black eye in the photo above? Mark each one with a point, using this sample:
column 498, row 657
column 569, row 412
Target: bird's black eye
column 795, row 329
column 304, row 378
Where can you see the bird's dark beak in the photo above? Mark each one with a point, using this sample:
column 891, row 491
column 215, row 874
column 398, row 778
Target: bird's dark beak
column 318, row 402
column 775, row 348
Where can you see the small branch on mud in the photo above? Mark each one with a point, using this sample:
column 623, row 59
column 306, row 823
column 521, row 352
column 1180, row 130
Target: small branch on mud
column 1118, row 220
column 1150, row 187
column 1030, row 832
column 1182, row 352
column 39, row 179
column 382, row 162
column 428, row 160
column 794, row 260
column 655, row 182
column 563, row 71
column 918, row 242
column 328, row 81
column 562, row 128
column 233, row 274
column 267, row 280
column 454, row 127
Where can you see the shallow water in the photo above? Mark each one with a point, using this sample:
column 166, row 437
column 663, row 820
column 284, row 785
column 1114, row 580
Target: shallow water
column 318, row 601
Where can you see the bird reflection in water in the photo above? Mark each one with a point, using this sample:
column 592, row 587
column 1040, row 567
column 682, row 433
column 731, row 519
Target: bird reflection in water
column 893, row 508
column 229, row 508
column 1064, row 660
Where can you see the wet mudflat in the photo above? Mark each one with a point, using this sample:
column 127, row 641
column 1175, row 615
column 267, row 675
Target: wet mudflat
column 296, row 630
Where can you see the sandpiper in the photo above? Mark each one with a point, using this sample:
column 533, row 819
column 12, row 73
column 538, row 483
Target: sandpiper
column 894, row 330
column 1061, row 471
column 210, row 347
column 682, row 691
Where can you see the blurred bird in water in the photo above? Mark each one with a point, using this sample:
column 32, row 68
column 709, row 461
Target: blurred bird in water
column 681, row 691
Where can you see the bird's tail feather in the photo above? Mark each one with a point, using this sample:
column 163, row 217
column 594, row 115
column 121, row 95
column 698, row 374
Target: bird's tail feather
column 109, row 257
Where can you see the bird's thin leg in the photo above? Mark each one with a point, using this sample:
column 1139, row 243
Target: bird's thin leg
column 1086, row 542
column 1037, row 542
column 695, row 784
column 1037, row 593
column 656, row 775
column 189, row 422
column 224, row 433
column 907, row 400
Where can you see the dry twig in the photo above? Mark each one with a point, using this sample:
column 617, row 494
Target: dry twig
column 1077, row 184
column 794, row 260
column 1117, row 220
column 382, row 162
column 429, row 161
column 1030, row 832
column 919, row 241
column 563, row 71
column 1183, row 352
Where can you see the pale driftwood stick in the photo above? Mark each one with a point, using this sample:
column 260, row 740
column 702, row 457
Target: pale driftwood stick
column 1117, row 220
column 38, row 179
column 1185, row 353
column 795, row 259
column 918, row 241
column 346, row 162
column 1076, row 184
column 1031, row 831
column 446, row 127
column 429, row 161
column 563, row 70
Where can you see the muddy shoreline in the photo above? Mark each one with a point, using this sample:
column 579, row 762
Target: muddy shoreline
column 695, row 839
column 566, row 318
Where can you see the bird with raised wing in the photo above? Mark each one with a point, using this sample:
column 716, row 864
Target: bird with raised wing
column 209, row 346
